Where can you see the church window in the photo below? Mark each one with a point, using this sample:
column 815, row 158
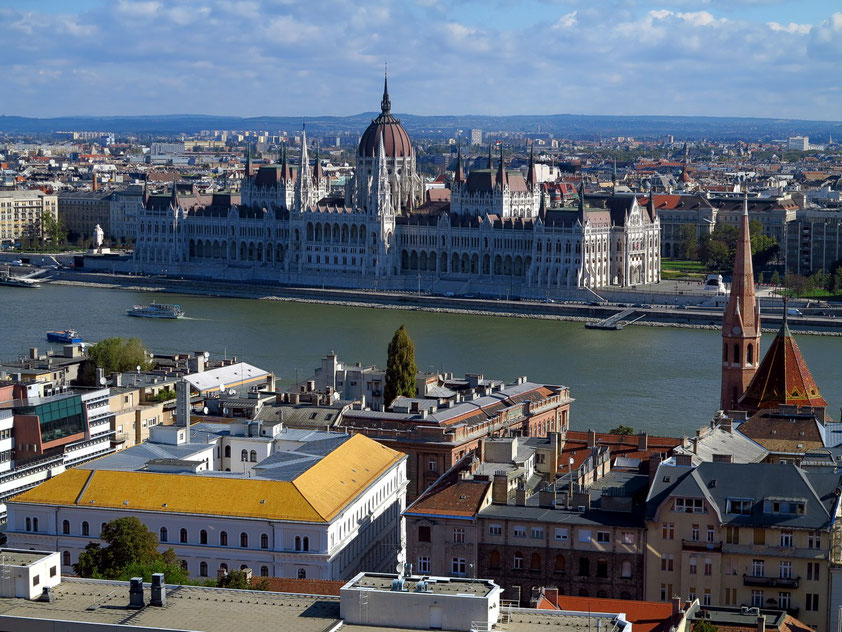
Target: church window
column 750, row 354
column 736, row 356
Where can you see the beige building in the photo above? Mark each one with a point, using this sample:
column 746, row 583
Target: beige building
column 744, row 534
column 134, row 416
column 81, row 212
column 22, row 212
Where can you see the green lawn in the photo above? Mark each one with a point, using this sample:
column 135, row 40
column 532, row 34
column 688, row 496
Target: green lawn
column 679, row 265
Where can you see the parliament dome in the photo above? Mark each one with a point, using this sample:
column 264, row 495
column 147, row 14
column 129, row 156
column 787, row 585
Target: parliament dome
column 395, row 138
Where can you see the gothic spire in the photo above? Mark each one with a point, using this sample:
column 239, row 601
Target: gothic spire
column 531, row 176
column 502, row 178
column 318, row 172
column 385, row 104
column 459, row 176
column 174, row 196
column 248, row 160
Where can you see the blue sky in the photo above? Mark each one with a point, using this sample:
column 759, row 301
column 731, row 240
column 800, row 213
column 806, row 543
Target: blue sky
column 773, row 58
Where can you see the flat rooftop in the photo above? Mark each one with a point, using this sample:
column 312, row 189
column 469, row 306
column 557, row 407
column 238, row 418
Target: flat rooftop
column 16, row 557
column 188, row 608
column 435, row 585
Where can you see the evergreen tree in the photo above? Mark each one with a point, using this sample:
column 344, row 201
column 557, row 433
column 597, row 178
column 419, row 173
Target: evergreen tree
column 400, row 367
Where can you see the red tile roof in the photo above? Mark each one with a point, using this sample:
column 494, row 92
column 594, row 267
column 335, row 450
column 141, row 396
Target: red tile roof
column 463, row 499
column 645, row 616
column 301, row 586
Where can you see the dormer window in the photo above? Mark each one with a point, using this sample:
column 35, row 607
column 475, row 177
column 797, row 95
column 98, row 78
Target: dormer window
column 689, row 505
column 784, row 506
column 739, row 506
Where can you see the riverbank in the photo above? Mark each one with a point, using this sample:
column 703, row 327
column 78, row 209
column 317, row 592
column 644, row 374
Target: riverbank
column 650, row 316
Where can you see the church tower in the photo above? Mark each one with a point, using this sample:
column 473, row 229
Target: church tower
column 304, row 193
column 740, row 324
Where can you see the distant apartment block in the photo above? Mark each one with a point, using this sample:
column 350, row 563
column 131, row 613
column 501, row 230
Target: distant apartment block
column 22, row 214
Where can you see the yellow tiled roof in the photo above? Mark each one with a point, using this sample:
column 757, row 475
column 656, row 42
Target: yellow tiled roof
column 317, row 495
column 332, row 482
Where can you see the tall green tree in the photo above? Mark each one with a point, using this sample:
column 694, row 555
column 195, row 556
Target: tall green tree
column 120, row 354
column 687, row 246
column 129, row 544
column 400, row 367
column 53, row 229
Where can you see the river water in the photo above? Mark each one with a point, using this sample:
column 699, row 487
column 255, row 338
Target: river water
column 661, row 380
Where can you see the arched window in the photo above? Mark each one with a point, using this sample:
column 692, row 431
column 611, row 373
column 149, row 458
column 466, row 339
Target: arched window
column 228, row 452
column 244, row 540
column 182, row 536
column 162, row 534
column 264, row 541
column 28, row 523
column 584, row 567
column 224, row 567
column 243, row 567
column 203, row 569
column 306, row 543
column 264, row 571
column 223, row 538
column 560, row 564
column 494, row 559
column 35, row 524
column 535, row 562
column 184, row 566
column 86, row 528
column 750, row 354
column 65, row 527
column 298, row 543
column 253, row 456
column 244, row 455
column 65, row 558
column 725, row 352
column 626, row 569
column 517, row 561
column 203, row 537
column 302, row 574
column 602, row 567
column 736, row 357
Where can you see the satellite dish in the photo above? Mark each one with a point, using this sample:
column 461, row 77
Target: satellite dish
column 222, row 388
column 102, row 381
column 138, row 368
column 205, row 410
column 206, row 354
column 224, row 411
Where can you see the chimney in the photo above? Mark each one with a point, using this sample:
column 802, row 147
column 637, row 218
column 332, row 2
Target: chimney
column 761, row 623
column 685, row 460
column 676, row 605
column 643, row 442
column 555, row 454
column 726, row 425
column 159, row 591
column 500, row 488
column 294, row 398
column 520, row 496
column 546, row 497
column 551, row 595
column 33, row 353
column 654, row 462
column 723, row 458
column 695, row 445
column 118, row 379
column 311, row 386
column 136, row 593
column 591, row 438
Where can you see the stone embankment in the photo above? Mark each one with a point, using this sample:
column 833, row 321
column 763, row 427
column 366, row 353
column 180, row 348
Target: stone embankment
column 651, row 316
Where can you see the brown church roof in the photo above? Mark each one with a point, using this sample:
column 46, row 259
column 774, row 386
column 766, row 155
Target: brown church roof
column 783, row 378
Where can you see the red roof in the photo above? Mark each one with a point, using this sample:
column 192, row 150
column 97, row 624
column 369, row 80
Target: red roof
column 576, row 445
column 300, row 586
column 645, row 616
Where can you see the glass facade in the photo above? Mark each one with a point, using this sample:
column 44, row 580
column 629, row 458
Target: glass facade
column 57, row 417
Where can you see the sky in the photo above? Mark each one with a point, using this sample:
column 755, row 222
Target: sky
column 767, row 58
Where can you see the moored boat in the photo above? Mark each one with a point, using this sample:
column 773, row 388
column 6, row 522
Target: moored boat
column 68, row 336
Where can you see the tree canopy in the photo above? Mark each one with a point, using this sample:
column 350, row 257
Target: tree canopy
column 129, row 544
column 622, row 430
column 114, row 355
column 400, row 367
column 718, row 250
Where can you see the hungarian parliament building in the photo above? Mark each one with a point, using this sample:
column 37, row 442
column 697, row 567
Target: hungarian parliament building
column 493, row 237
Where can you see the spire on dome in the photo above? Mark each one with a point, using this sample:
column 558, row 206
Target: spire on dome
column 502, row 178
column 385, row 104
column 531, row 176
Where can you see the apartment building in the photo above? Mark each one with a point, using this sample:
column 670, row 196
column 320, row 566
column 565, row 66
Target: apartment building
column 22, row 213
column 749, row 534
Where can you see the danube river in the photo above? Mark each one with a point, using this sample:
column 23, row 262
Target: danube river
column 662, row 380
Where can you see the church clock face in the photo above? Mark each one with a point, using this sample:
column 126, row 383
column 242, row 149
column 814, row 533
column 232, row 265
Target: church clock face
column 736, row 330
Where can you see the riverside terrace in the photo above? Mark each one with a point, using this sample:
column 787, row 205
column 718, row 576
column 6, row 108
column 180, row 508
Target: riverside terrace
column 436, row 433
column 84, row 605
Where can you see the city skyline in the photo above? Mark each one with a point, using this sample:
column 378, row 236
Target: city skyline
column 622, row 57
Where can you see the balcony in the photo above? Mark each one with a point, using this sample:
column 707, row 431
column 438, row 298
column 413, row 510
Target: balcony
column 701, row 547
column 771, row 582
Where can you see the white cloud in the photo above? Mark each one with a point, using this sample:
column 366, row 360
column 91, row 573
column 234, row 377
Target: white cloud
column 566, row 21
column 792, row 27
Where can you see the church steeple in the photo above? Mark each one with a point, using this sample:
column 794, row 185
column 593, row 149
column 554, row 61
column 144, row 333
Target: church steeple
column 304, row 184
column 174, row 196
column 740, row 324
column 459, row 176
column 502, row 177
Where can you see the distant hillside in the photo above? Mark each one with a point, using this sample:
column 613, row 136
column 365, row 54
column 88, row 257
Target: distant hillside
column 560, row 125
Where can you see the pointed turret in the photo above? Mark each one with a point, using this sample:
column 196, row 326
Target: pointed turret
column 740, row 324
column 381, row 189
column 304, row 184
column 286, row 170
column 174, row 196
column 459, row 176
column 531, row 176
column 318, row 172
column 502, row 178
